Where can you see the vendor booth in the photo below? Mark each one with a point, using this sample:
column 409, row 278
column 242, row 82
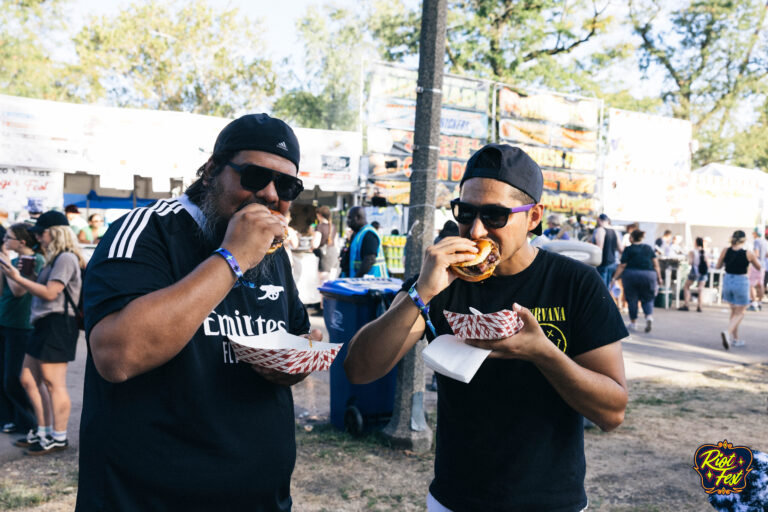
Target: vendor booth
column 78, row 149
column 659, row 190
column 330, row 169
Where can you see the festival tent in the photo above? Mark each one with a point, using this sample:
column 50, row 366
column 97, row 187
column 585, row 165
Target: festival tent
column 92, row 200
column 724, row 198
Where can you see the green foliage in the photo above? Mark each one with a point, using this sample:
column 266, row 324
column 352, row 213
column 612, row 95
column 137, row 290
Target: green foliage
column 713, row 55
column 750, row 147
column 518, row 42
column 26, row 65
column 186, row 57
column 335, row 50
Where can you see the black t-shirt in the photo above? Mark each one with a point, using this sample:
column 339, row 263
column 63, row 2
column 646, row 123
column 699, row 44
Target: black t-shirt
column 610, row 245
column 369, row 245
column 507, row 440
column 202, row 431
column 638, row 257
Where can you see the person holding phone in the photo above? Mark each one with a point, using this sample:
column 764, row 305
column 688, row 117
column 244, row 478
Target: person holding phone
column 15, row 329
column 54, row 336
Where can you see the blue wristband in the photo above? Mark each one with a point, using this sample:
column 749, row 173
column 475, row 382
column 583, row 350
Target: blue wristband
column 423, row 308
column 235, row 266
column 231, row 261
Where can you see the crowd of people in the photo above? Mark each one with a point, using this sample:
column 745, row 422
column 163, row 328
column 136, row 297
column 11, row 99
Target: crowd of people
column 171, row 420
column 40, row 287
column 633, row 272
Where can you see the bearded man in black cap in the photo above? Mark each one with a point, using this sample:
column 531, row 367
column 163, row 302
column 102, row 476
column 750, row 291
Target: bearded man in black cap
column 171, row 420
column 512, row 438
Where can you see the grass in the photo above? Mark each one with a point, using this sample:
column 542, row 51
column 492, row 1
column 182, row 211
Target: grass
column 13, row 496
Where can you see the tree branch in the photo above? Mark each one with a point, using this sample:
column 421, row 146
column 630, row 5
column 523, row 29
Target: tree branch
column 565, row 49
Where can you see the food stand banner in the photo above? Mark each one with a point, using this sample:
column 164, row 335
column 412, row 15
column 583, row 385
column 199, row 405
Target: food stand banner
column 330, row 159
column 560, row 132
column 647, row 167
column 391, row 116
column 19, row 185
column 114, row 143
column 558, row 109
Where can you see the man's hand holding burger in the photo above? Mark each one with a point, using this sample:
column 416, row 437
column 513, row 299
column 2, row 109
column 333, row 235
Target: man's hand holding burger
column 435, row 275
column 529, row 344
column 251, row 233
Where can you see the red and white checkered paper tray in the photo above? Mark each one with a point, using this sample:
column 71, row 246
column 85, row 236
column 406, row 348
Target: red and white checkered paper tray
column 490, row 326
column 284, row 352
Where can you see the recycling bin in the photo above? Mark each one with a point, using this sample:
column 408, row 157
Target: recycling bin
column 349, row 304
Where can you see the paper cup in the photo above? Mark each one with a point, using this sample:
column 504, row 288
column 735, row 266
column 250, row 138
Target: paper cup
column 490, row 326
column 284, row 352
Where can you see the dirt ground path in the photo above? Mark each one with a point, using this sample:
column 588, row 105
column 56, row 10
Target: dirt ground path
column 645, row 465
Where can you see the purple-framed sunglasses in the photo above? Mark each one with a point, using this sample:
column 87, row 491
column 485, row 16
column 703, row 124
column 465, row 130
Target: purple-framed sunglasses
column 491, row 215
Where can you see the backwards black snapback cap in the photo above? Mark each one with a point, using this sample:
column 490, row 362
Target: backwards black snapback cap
column 49, row 219
column 508, row 164
column 259, row 132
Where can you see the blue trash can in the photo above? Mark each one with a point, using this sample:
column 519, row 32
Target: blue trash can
column 349, row 304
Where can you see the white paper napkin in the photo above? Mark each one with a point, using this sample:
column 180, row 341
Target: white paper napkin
column 450, row 356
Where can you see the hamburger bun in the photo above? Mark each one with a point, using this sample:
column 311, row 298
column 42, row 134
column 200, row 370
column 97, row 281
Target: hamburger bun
column 278, row 241
column 482, row 265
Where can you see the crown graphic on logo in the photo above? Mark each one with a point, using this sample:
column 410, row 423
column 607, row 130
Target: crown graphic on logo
column 282, row 145
column 723, row 468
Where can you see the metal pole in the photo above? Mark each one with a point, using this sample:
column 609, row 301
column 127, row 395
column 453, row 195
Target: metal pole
column 408, row 427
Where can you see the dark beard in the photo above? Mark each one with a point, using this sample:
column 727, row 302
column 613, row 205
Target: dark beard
column 214, row 228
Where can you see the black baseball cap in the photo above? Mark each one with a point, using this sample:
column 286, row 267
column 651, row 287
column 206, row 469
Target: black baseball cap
column 508, row 164
column 259, row 132
column 48, row 219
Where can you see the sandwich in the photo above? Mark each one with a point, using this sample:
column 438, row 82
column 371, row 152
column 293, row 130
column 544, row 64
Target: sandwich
column 278, row 241
column 482, row 265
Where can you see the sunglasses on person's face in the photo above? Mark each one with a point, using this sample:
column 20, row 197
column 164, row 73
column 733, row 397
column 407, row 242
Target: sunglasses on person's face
column 491, row 215
column 255, row 177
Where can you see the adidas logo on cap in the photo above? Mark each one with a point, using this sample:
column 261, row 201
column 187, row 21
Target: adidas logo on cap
column 283, row 146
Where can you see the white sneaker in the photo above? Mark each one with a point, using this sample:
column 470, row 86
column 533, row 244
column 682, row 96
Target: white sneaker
column 631, row 326
column 739, row 343
column 648, row 324
column 726, row 339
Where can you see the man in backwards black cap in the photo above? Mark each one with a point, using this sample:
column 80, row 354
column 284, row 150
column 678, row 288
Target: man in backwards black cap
column 511, row 439
column 171, row 420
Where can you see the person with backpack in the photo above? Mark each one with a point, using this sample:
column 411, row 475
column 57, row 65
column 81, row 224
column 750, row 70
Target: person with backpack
column 699, row 273
column 53, row 315
column 15, row 329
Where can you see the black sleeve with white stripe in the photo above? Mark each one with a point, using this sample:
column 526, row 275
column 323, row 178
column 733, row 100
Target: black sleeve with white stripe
column 131, row 260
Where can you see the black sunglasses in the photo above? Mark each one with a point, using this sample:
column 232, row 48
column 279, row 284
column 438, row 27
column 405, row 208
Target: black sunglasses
column 255, row 177
column 491, row 215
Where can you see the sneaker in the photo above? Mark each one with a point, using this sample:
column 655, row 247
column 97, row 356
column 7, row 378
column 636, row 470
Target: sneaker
column 683, row 308
column 631, row 326
column 9, row 428
column 28, row 441
column 47, row 445
column 648, row 324
column 739, row 343
column 751, row 308
column 726, row 339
